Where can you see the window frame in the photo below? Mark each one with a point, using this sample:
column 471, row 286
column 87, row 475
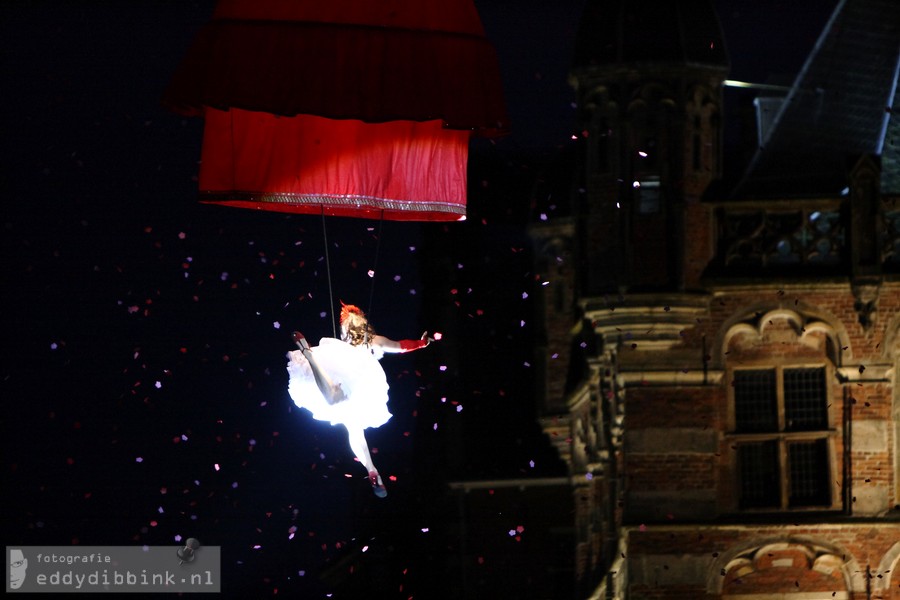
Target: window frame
column 783, row 437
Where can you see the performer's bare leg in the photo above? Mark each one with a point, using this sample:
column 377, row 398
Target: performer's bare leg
column 361, row 449
column 330, row 390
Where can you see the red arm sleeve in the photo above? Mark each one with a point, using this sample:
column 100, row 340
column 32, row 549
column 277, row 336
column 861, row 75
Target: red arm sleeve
column 410, row 345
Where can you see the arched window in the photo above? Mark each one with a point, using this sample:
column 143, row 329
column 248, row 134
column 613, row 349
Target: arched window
column 781, row 435
column 783, row 421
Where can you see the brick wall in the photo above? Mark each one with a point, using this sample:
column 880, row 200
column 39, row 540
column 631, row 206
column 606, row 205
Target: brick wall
column 672, row 561
column 669, row 413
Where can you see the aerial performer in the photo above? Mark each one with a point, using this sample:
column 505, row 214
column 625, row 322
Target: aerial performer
column 341, row 381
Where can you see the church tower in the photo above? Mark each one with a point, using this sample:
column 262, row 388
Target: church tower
column 648, row 78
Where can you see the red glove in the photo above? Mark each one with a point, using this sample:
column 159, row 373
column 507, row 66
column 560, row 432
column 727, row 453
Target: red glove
column 410, row 345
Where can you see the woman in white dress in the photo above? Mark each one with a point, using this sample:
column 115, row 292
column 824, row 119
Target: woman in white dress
column 341, row 381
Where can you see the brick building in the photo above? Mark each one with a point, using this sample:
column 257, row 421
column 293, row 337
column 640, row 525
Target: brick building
column 719, row 354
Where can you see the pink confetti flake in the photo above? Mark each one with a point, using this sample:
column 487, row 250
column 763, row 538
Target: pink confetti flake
column 425, row 530
column 177, row 538
column 216, row 466
column 370, row 273
column 442, row 368
column 438, row 335
column 139, row 459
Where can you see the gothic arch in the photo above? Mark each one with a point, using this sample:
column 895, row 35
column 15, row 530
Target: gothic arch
column 822, row 556
column 891, row 351
column 887, row 569
column 803, row 319
column 891, row 346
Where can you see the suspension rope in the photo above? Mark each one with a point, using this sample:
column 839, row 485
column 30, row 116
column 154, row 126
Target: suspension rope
column 374, row 267
column 328, row 271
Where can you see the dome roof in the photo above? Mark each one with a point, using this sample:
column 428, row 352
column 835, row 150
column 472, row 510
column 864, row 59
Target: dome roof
column 641, row 31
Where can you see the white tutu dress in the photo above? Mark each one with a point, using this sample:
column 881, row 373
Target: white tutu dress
column 356, row 369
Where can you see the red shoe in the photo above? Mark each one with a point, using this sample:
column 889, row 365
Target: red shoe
column 377, row 485
column 300, row 340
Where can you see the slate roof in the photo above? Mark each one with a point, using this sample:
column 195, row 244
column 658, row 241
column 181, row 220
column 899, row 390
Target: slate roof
column 838, row 108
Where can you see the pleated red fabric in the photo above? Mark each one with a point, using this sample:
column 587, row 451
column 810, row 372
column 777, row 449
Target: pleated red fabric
column 345, row 107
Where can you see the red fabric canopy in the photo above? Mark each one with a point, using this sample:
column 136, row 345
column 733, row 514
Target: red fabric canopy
column 305, row 164
column 344, row 107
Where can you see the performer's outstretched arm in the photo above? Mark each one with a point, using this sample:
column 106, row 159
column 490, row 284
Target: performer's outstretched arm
column 390, row 346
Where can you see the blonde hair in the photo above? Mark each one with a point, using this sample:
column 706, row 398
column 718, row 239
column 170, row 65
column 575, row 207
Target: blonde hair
column 355, row 328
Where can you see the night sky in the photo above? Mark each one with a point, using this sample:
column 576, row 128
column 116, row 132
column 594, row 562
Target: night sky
column 144, row 334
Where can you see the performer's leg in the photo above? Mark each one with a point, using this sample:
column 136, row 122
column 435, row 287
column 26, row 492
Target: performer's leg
column 330, row 390
column 360, row 448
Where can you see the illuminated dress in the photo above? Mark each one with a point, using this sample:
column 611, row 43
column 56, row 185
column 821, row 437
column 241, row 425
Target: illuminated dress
column 356, row 369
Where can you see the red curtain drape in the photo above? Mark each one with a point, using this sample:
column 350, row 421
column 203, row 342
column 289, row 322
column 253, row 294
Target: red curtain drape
column 346, row 106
